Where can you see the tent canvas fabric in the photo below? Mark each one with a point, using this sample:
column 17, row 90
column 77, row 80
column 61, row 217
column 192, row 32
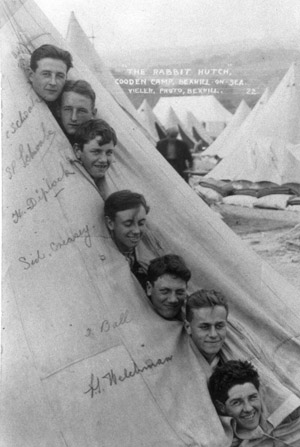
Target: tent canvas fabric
column 86, row 360
column 240, row 115
column 205, row 108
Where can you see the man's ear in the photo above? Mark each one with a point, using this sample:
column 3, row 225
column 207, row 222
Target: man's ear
column 148, row 288
column 187, row 326
column 220, row 407
column 109, row 223
column 94, row 113
column 30, row 74
column 77, row 151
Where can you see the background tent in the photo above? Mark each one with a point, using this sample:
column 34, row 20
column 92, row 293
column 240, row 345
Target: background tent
column 244, row 132
column 241, row 113
column 205, row 108
column 150, row 121
column 193, row 123
column 173, row 120
column 85, row 359
column 261, row 150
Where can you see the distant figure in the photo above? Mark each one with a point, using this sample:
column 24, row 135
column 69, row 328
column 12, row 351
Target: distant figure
column 176, row 152
column 167, row 282
column 94, row 144
column 235, row 391
column 49, row 66
column 77, row 105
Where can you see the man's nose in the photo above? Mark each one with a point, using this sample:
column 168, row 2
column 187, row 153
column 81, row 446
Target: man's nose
column 247, row 407
column 53, row 79
column 173, row 298
column 136, row 229
column 212, row 331
column 102, row 157
column 74, row 115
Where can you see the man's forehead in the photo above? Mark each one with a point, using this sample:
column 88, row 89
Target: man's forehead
column 210, row 313
column 170, row 280
column 132, row 213
column 241, row 390
column 50, row 62
column 76, row 99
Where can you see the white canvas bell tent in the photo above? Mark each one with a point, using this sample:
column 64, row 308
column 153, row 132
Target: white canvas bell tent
column 191, row 121
column 85, row 359
column 261, row 151
column 281, row 115
column 205, row 108
column 172, row 120
column 240, row 115
column 246, row 128
column 149, row 119
column 81, row 45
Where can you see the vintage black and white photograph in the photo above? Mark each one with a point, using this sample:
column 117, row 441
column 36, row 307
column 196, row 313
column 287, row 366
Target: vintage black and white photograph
column 150, row 223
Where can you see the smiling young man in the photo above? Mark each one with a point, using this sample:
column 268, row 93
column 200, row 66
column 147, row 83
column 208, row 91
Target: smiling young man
column 94, row 144
column 49, row 66
column 206, row 323
column 167, row 283
column 125, row 216
column 77, row 106
column 235, row 391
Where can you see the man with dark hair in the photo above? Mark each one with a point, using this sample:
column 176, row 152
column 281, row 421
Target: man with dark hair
column 94, row 143
column 206, row 323
column 49, row 66
column 125, row 216
column 175, row 151
column 77, row 105
column 235, row 391
column 167, row 282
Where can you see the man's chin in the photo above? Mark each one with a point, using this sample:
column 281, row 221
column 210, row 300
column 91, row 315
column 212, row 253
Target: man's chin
column 250, row 425
column 50, row 98
column 71, row 130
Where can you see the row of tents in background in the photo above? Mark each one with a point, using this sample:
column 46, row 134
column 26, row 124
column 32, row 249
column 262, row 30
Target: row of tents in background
column 244, row 156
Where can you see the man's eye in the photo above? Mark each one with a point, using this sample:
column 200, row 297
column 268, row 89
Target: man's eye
column 61, row 76
column 204, row 327
column 220, row 325
column 235, row 403
column 82, row 111
column 109, row 153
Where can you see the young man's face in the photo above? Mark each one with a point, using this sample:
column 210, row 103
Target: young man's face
column 75, row 109
column 49, row 78
column 95, row 158
column 128, row 227
column 167, row 295
column 208, row 330
column 244, row 405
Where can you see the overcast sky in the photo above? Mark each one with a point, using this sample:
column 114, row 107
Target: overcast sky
column 139, row 24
